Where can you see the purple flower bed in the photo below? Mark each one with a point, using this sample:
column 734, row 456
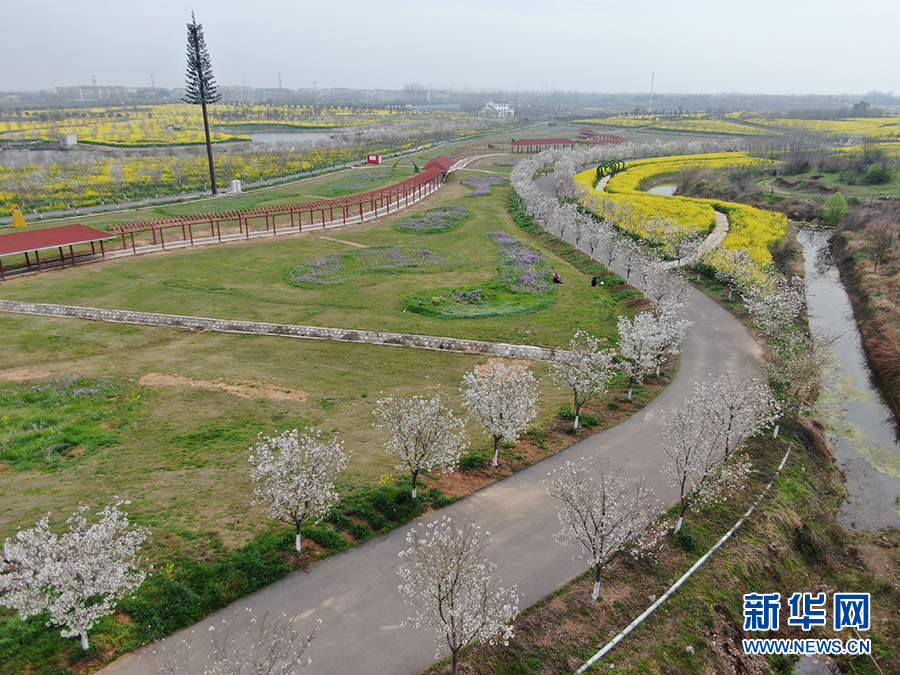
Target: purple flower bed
column 341, row 267
column 522, row 269
column 436, row 220
column 482, row 184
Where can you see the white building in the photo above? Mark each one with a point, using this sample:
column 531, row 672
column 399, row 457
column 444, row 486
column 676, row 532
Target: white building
column 492, row 109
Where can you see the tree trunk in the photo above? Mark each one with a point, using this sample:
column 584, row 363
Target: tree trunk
column 84, row 641
column 575, row 426
column 415, row 483
column 297, row 544
column 679, row 523
column 496, row 450
column 455, row 661
column 209, row 154
column 775, row 432
column 596, row 592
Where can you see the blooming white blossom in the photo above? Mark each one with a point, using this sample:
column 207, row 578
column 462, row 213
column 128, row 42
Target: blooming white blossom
column 449, row 581
column 77, row 577
column 294, row 476
column 795, row 365
column 424, row 432
column 501, row 398
column 246, row 644
column 638, row 346
column 701, row 438
column 585, row 369
column 602, row 512
column 776, row 305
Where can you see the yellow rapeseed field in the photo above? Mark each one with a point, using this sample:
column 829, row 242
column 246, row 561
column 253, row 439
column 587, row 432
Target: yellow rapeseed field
column 753, row 231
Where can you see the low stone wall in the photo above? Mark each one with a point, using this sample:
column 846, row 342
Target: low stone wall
column 285, row 330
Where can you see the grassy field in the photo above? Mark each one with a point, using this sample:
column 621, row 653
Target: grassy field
column 247, row 280
column 181, row 455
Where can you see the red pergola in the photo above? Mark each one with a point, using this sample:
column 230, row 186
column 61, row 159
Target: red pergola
column 34, row 241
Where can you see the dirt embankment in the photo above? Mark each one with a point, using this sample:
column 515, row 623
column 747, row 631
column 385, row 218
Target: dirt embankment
column 875, row 297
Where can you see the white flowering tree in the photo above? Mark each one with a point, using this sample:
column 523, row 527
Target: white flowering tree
column 502, row 398
column 738, row 409
column 585, row 370
column 669, row 291
column 775, row 305
column 76, row 577
column 638, row 347
column 601, row 512
column 701, row 438
column 670, row 331
column 247, row 644
column 294, row 476
column 795, row 365
column 423, row 431
column 449, row 580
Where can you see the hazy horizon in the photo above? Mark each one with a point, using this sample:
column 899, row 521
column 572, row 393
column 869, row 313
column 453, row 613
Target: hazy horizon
column 697, row 47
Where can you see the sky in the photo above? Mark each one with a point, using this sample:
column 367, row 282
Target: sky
column 689, row 47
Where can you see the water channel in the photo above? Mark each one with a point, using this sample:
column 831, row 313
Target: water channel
column 861, row 425
column 292, row 137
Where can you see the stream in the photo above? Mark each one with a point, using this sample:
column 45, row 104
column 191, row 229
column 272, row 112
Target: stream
column 860, row 424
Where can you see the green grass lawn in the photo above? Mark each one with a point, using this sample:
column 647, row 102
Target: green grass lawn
column 181, row 457
column 247, row 280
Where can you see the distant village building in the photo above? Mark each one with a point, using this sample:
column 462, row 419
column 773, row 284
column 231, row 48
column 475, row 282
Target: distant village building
column 68, row 140
column 492, row 109
column 849, row 140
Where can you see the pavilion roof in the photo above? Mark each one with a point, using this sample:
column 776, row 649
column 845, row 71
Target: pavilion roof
column 50, row 237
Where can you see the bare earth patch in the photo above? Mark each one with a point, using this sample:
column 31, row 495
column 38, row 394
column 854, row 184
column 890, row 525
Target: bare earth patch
column 24, row 374
column 341, row 241
column 263, row 391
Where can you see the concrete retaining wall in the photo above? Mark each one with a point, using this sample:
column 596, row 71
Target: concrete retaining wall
column 285, row 330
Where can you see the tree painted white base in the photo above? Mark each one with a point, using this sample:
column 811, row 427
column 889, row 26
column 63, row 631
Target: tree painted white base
column 596, row 593
column 297, row 543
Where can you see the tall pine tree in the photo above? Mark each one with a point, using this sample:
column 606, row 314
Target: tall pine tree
column 201, row 85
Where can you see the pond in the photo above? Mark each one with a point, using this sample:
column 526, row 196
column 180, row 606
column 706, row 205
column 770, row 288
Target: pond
column 665, row 189
column 861, row 425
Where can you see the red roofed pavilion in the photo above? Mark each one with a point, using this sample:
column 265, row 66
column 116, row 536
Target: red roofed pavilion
column 51, row 237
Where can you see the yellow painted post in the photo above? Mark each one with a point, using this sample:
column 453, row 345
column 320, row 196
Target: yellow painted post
column 18, row 218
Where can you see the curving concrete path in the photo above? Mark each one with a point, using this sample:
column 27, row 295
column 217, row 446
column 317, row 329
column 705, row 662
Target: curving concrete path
column 355, row 593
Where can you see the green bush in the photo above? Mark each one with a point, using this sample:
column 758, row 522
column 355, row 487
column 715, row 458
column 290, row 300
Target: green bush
column 685, row 539
column 589, row 421
column 361, row 531
column 878, row 174
column 628, row 293
column 325, row 537
column 472, row 460
column 566, row 412
column 437, row 498
column 339, row 520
